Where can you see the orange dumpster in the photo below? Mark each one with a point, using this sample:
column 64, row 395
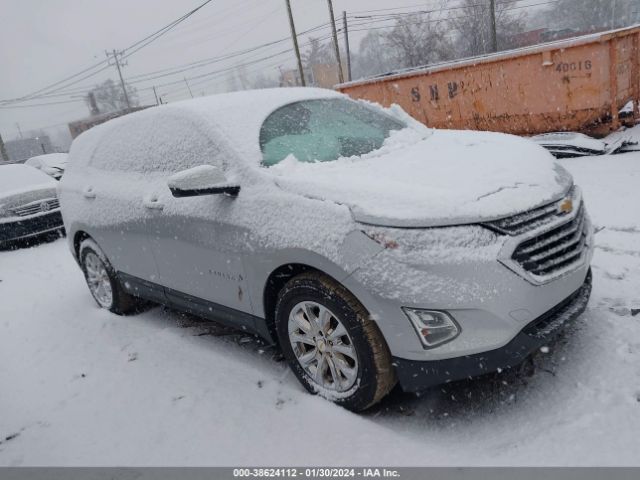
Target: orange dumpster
column 578, row 84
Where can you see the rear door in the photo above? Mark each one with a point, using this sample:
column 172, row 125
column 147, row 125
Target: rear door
column 116, row 211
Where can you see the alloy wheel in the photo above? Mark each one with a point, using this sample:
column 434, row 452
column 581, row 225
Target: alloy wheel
column 322, row 346
column 98, row 280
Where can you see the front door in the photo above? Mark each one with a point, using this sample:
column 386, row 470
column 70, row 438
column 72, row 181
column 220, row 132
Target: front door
column 196, row 244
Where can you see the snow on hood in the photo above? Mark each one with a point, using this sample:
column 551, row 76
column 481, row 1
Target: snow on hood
column 15, row 179
column 443, row 177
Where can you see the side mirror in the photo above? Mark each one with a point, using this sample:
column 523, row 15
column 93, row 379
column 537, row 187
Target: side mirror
column 201, row 180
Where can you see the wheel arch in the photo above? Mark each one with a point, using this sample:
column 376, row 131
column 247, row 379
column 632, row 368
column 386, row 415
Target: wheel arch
column 279, row 277
column 78, row 238
column 276, row 280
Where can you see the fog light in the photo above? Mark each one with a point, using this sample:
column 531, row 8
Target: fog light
column 434, row 328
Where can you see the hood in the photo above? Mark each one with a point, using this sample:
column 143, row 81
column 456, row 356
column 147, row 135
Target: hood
column 17, row 179
column 448, row 178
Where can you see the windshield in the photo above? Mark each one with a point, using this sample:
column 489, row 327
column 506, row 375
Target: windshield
column 324, row 130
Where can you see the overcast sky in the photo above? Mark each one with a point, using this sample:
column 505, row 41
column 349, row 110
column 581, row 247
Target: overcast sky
column 43, row 41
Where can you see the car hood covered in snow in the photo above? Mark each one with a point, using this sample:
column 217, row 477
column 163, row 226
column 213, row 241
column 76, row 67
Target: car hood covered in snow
column 442, row 177
column 17, row 179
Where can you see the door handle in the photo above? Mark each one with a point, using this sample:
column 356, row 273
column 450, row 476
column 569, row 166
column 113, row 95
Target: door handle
column 88, row 192
column 152, row 202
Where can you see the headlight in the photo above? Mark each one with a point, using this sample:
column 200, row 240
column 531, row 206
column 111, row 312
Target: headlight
column 434, row 327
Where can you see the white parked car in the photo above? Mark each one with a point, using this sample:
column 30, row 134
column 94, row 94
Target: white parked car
column 53, row 164
column 371, row 248
column 28, row 204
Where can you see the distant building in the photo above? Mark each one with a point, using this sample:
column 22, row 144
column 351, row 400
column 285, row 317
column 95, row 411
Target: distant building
column 323, row 75
column 22, row 149
column 79, row 126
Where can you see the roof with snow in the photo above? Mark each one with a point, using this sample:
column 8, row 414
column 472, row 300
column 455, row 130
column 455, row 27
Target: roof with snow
column 237, row 116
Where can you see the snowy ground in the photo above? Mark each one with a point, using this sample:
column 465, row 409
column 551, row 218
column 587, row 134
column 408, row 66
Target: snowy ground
column 79, row 386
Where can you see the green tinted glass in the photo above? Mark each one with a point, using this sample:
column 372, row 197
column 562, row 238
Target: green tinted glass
column 324, row 130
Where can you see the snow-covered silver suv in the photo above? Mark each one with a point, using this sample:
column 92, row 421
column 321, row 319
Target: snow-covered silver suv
column 371, row 248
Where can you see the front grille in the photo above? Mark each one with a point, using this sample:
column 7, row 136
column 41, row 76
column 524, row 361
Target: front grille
column 524, row 222
column 39, row 206
column 536, row 218
column 28, row 227
column 554, row 249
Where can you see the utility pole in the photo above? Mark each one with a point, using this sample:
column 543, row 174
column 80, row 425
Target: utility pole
column 493, row 28
column 188, row 87
column 294, row 37
column 93, row 105
column 3, row 151
column 117, row 62
column 346, row 43
column 335, row 41
column 613, row 14
column 19, row 130
column 155, row 94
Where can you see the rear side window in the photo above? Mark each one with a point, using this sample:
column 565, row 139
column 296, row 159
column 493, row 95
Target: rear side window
column 155, row 143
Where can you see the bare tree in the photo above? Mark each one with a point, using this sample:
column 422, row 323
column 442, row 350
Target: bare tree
column 373, row 57
column 473, row 25
column 110, row 97
column 317, row 53
column 417, row 40
column 591, row 15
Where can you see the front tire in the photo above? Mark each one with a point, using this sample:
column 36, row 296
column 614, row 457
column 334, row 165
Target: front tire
column 103, row 282
column 333, row 347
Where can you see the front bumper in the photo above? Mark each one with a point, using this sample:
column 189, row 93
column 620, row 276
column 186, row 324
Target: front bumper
column 415, row 376
column 30, row 226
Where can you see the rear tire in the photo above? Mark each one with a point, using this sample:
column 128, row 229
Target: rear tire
column 333, row 347
column 103, row 282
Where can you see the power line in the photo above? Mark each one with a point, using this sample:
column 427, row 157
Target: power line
column 40, row 104
column 204, row 78
column 130, row 50
column 33, row 94
column 140, row 44
column 388, row 9
column 208, row 61
column 394, row 17
column 501, row 2
column 146, row 77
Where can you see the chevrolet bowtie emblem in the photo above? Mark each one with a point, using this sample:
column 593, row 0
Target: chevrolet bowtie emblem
column 566, row 206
